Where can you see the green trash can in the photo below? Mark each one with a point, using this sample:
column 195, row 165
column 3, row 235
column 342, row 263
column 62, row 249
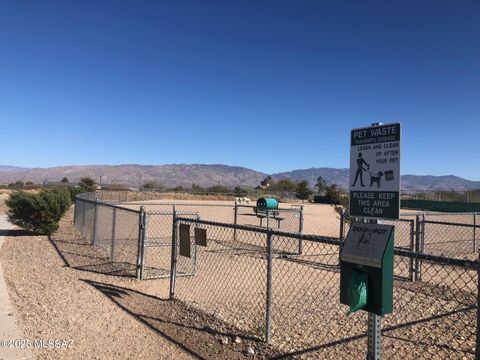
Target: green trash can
column 264, row 204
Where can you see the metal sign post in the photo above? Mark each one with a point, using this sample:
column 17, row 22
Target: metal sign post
column 374, row 330
column 374, row 333
column 368, row 252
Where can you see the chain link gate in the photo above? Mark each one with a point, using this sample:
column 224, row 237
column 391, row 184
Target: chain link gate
column 157, row 245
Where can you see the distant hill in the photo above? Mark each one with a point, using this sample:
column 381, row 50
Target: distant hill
column 409, row 182
column 209, row 175
column 7, row 168
column 330, row 175
column 449, row 182
column 135, row 175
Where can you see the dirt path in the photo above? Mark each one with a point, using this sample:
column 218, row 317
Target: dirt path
column 9, row 327
column 105, row 316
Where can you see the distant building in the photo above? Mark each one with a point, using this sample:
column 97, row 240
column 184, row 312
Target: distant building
column 47, row 183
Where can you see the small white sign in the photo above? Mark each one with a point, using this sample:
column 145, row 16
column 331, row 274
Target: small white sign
column 366, row 243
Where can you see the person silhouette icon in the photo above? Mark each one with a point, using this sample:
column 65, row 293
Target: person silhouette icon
column 360, row 163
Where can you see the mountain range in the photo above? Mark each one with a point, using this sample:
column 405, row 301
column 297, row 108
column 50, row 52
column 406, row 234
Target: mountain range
column 208, row 175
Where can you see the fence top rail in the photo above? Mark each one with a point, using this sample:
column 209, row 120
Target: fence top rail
column 467, row 264
column 451, row 223
column 296, row 210
column 463, row 263
column 435, row 213
column 252, row 228
column 170, row 213
column 387, row 221
column 153, row 202
column 106, row 204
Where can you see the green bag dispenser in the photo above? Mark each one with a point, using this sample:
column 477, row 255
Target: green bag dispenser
column 366, row 269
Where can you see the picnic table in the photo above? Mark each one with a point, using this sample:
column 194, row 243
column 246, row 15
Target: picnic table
column 264, row 214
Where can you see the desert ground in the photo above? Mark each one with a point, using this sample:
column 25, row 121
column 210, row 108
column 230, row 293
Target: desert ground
column 65, row 288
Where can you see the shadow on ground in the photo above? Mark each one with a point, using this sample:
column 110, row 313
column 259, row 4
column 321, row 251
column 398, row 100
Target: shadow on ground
column 79, row 254
column 195, row 332
column 16, row 232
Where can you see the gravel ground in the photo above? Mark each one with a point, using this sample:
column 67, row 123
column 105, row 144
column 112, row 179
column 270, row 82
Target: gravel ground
column 435, row 318
column 105, row 316
column 66, row 289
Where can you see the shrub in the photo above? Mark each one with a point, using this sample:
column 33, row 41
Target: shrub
column 74, row 191
column 303, row 192
column 333, row 194
column 152, row 186
column 240, row 192
column 218, row 189
column 88, row 184
column 39, row 212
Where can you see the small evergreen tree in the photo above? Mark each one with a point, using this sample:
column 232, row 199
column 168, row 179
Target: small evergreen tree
column 321, row 185
column 266, row 181
column 303, row 191
column 284, row 184
column 240, row 192
column 64, row 180
column 88, row 184
column 333, row 194
column 152, row 185
column 196, row 188
column 39, row 212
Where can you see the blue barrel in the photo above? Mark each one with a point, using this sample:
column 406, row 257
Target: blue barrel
column 267, row 204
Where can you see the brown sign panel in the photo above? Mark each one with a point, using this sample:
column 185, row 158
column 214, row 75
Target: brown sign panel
column 185, row 240
column 201, row 236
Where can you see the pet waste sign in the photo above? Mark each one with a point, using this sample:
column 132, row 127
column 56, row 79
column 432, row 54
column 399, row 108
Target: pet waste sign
column 375, row 172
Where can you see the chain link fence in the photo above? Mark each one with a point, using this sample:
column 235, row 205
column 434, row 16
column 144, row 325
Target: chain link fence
column 275, row 283
column 294, row 301
column 221, row 211
column 284, row 219
column 113, row 230
column 157, row 246
column 451, row 235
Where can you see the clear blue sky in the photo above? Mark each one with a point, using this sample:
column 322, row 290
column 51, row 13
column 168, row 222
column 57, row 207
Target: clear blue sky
column 270, row 85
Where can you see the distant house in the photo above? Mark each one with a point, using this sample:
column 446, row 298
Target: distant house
column 47, row 183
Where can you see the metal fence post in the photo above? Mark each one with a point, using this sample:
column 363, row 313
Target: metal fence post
column 235, row 214
column 84, row 234
column 418, row 235
column 300, row 230
column 173, row 264
column 474, row 232
column 422, row 235
column 141, row 226
column 144, row 241
column 95, row 221
column 194, row 270
column 412, row 249
column 75, row 212
column 114, row 223
column 268, row 310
